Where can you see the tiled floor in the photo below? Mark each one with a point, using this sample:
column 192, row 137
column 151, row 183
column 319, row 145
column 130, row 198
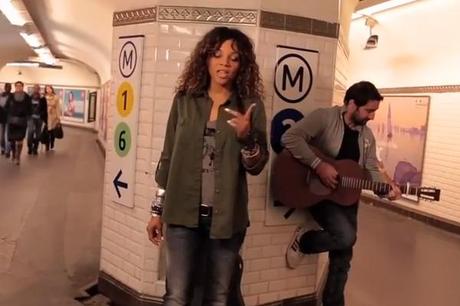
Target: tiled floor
column 402, row 262
column 50, row 221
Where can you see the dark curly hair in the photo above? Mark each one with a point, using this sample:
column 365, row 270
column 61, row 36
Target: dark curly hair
column 195, row 78
column 361, row 93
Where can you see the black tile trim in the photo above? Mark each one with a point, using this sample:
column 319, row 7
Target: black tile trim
column 431, row 220
column 305, row 300
column 296, row 48
column 291, row 23
column 121, row 295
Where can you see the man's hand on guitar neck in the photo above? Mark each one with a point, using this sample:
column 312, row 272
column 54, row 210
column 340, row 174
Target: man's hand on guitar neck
column 328, row 174
column 395, row 192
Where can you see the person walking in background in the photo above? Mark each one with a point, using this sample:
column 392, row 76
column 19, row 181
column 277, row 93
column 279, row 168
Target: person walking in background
column 54, row 114
column 19, row 110
column 39, row 115
column 4, row 145
column 216, row 133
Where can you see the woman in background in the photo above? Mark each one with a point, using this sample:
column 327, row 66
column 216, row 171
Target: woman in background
column 19, row 110
column 54, row 114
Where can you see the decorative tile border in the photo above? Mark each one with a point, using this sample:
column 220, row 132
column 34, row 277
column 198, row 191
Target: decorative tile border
column 270, row 20
column 420, row 89
column 207, row 14
column 299, row 24
column 134, row 16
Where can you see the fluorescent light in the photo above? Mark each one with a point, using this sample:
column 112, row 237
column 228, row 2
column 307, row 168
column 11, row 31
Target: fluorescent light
column 42, row 51
column 22, row 64
column 48, row 59
column 45, row 55
column 11, row 13
column 31, row 39
column 374, row 9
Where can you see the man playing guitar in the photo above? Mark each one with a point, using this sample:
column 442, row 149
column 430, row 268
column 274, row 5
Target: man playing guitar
column 340, row 133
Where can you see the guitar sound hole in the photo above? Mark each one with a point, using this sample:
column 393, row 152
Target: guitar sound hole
column 316, row 187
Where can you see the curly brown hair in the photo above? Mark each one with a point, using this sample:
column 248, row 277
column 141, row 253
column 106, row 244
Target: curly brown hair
column 195, row 78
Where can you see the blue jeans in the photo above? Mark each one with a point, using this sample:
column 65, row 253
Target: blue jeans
column 4, row 143
column 185, row 248
column 34, row 130
column 338, row 237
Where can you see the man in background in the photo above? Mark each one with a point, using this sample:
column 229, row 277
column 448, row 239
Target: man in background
column 339, row 132
column 39, row 115
column 4, row 145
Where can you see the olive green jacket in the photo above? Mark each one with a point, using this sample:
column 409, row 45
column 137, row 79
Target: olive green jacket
column 180, row 165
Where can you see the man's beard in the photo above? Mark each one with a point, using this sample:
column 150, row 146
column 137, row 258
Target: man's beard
column 358, row 121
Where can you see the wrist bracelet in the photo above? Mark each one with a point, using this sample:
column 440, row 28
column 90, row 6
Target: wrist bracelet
column 156, row 210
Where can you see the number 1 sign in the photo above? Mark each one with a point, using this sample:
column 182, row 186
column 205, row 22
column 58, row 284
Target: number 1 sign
column 127, row 88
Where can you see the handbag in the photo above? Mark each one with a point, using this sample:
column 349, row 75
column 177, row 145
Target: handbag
column 58, row 132
column 44, row 136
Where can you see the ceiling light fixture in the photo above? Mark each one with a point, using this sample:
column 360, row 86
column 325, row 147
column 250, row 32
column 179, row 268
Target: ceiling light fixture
column 33, row 64
column 22, row 64
column 31, row 39
column 12, row 13
column 362, row 10
column 17, row 14
column 45, row 55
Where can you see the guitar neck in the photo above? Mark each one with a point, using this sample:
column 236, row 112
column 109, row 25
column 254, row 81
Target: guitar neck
column 377, row 187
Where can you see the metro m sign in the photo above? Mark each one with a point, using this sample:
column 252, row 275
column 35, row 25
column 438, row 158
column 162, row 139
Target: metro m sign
column 295, row 73
column 128, row 59
column 294, row 84
column 293, row 78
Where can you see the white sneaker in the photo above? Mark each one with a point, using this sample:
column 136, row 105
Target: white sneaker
column 294, row 256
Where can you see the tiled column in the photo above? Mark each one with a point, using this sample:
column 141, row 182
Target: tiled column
column 131, row 267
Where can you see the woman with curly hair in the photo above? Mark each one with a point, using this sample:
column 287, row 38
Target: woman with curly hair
column 216, row 133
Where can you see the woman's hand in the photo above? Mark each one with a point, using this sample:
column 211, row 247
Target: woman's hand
column 242, row 122
column 155, row 230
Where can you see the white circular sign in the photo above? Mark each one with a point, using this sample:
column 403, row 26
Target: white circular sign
column 127, row 59
column 293, row 78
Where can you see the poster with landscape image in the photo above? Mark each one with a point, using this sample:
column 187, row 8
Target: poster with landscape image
column 400, row 128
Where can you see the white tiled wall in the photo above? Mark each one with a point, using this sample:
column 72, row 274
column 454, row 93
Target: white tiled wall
column 127, row 254
column 342, row 71
column 266, row 278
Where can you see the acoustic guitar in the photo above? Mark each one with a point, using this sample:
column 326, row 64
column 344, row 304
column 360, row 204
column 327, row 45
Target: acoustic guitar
column 296, row 185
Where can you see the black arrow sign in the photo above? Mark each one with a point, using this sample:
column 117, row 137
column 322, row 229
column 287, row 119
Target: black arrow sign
column 119, row 184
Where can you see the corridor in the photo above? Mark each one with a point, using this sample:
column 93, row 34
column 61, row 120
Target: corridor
column 50, row 222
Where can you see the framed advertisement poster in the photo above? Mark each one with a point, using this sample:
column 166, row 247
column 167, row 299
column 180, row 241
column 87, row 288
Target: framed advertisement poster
column 400, row 128
column 92, row 101
column 73, row 107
